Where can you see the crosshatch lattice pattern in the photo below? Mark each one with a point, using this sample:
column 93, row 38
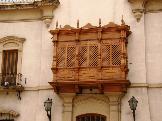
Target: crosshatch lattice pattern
column 111, row 55
column 61, row 56
column 116, row 55
column 93, row 56
column 83, row 52
column 106, row 57
column 71, row 56
column 88, row 56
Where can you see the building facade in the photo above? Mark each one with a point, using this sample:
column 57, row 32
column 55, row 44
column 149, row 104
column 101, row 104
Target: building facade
column 27, row 55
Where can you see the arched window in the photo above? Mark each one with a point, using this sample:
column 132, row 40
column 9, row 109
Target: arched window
column 91, row 117
column 10, row 59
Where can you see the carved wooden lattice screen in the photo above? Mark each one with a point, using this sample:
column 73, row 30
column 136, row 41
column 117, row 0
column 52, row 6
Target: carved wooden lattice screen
column 83, row 52
column 61, row 57
column 90, row 55
column 111, row 53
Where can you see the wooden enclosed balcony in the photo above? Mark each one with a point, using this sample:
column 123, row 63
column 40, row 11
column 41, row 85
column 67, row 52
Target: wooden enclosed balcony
column 90, row 57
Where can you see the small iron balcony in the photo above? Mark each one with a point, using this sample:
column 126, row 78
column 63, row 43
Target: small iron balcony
column 12, row 82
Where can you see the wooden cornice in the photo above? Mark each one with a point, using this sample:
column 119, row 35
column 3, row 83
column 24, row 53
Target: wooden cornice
column 67, row 29
column 102, row 86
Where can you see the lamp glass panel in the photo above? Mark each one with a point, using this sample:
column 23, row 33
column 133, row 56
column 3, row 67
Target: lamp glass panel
column 48, row 105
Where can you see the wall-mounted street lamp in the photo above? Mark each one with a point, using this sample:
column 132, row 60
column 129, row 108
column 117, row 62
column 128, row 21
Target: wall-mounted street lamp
column 48, row 106
column 133, row 105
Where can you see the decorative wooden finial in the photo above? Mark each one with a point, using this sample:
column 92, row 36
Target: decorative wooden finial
column 122, row 21
column 56, row 24
column 78, row 23
column 99, row 22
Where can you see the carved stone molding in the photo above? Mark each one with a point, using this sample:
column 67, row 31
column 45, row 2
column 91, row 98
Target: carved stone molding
column 86, row 97
column 12, row 39
column 139, row 7
column 153, row 6
column 28, row 5
column 88, row 101
column 107, row 104
column 37, row 10
column 12, row 42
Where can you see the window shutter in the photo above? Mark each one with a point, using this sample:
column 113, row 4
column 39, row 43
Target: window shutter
column 9, row 66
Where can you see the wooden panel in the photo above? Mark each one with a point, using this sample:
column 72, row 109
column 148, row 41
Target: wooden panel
column 111, row 73
column 86, row 36
column 66, row 37
column 108, row 35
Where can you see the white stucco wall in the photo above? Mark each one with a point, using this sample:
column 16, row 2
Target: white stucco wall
column 144, row 52
column 153, row 30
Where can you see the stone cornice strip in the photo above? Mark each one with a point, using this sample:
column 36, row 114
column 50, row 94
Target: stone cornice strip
column 153, row 6
column 35, row 4
column 21, row 20
column 138, row 85
column 38, row 10
column 133, row 85
column 139, row 7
